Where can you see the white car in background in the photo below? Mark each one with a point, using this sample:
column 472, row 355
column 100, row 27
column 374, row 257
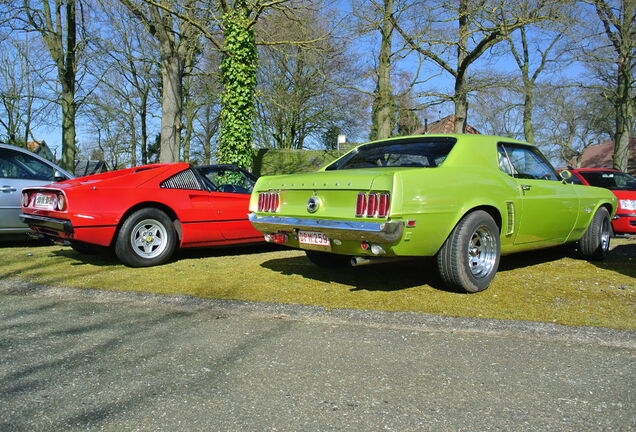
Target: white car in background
column 20, row 168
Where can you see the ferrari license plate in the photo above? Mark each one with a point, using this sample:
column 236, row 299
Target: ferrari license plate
column 43, row 200
column 313, row 238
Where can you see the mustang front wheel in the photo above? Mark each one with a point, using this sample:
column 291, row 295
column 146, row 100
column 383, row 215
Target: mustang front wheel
column 146, row 238
column 470, row 256
column 596, row 241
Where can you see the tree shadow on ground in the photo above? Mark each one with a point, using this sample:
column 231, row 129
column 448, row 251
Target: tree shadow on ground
column 621, row 259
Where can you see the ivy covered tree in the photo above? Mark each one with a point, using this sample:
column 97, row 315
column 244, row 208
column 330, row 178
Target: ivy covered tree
column 238, row 75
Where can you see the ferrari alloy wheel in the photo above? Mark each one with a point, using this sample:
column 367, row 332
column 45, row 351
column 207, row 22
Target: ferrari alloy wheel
column 469, row 258
column 596, row 241
column 146, row 238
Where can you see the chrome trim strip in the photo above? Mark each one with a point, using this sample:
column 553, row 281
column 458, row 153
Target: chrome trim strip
column 390, row 231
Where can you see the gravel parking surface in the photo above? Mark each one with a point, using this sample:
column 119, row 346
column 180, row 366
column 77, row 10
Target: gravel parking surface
column 94, row 360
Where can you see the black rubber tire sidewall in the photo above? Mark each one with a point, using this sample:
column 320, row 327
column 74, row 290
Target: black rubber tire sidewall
column 123, row 248
column 452, row 260
column 590, row 244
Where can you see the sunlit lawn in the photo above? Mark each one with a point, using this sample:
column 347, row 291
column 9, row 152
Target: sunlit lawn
column 550, row 285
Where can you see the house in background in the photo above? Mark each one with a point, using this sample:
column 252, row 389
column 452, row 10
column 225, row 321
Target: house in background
column 600, row 156
column 42, row 149
column 443, row 126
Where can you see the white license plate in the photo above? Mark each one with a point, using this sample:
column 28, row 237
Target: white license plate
column 313, row 238
column 43, row 200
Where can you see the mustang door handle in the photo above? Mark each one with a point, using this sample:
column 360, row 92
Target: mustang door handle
column 7, row 188
column 525, row 187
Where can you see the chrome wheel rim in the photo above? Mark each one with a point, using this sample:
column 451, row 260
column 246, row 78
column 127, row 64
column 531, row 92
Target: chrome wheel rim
column 482, row 252
column 605, row 234
column 149, row 238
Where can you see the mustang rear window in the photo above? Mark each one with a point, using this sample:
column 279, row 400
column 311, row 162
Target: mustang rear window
column 410, row 152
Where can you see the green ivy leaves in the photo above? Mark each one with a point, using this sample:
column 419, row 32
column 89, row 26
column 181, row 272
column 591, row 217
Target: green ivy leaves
column 238, row 71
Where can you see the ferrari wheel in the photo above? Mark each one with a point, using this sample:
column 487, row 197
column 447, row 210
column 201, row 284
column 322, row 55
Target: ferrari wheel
column 469, row 258
column 146, row 238
column 596, row 241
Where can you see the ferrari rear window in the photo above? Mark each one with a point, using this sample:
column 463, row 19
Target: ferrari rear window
column 409, row 152
column 184, row 180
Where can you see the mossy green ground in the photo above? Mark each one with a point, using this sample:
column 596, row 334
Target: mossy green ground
column 549, row 285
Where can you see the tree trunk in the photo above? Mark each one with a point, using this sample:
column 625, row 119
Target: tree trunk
column 528, row 128
column 171, row 73
column 143, row 118
column 383, row 110
column 460, row 97
column 69, row 105
column 624, row 116
column 69, row 110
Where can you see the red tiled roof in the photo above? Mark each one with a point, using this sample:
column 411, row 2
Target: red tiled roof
column 442, row 126
column 600, row 156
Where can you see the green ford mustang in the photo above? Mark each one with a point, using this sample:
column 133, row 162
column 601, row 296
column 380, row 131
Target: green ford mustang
column 465, row 199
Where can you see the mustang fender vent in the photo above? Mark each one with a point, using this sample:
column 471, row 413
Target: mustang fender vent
column 184, row 180
column 511, row 218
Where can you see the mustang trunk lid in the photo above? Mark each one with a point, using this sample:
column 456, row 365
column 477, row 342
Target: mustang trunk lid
column 335, row 191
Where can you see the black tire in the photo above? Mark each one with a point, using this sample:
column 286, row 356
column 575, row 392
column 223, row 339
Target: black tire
column 466, row 268
column 87, row 248
column 158, row 245
column 328, row 260
column 596, row 241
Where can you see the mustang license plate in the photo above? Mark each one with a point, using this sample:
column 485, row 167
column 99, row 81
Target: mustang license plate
column 313, row 239
column 44, row 201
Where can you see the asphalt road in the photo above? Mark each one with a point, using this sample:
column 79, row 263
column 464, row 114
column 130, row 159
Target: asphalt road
column 90, row 360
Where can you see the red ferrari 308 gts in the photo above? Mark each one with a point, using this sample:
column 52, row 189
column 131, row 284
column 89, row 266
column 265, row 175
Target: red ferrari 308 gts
column 145, row 212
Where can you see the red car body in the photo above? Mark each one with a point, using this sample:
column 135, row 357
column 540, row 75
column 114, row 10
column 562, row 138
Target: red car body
column 93, row 210
column 622, row 185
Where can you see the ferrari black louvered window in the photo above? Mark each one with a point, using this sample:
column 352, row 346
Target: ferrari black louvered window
column 183, row 180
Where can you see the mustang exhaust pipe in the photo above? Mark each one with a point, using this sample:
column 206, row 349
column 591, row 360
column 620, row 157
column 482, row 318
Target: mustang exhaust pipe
column 358, row 261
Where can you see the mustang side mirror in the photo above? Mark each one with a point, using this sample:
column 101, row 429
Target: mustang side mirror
column 565, row 175
column 58, row 176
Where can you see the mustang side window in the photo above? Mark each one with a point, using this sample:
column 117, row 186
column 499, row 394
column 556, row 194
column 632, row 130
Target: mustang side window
column 528, row 163
column 504, row 162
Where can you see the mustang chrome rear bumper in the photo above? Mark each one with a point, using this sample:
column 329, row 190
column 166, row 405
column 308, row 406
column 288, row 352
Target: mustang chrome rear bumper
column 380, row 232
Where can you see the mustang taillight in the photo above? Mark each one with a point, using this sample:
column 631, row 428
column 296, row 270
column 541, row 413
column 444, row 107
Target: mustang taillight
column 25, row 199
column 373, row 205
column 268, row 202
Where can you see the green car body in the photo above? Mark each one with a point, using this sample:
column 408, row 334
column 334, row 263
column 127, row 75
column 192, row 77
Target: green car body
column 429, row 193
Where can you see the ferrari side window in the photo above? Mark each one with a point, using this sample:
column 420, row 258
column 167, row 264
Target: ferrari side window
column 183, row 180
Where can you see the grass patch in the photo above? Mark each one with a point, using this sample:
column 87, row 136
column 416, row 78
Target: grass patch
column 549, row 285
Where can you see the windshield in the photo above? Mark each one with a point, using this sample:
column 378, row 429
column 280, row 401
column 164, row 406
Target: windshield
column 227, row 179
column 614, row 180
column 410, row 152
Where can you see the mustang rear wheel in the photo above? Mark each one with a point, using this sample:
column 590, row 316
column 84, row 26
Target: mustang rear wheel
column 469, row 259
column 146, row 238
column 596, row 241
column 328, row 260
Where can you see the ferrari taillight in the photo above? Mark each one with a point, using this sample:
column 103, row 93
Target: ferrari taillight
column 61, row 203
column 373, row 205
column 24, row 200
column 268, row 202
